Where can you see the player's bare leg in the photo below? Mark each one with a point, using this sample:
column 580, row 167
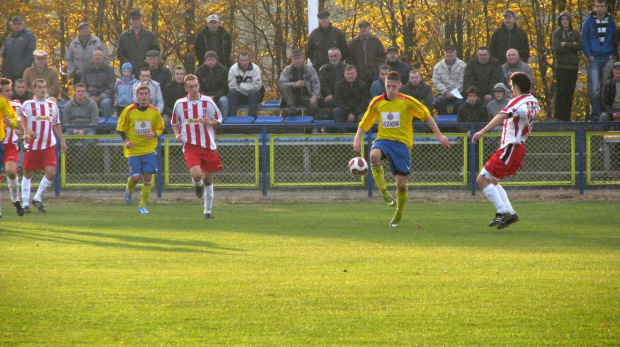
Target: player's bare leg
column 147, row 184
column 13, row 183
column 487, row 184
column 401, row 195
column 379, row 176
column 197, row 178
column 208, row 194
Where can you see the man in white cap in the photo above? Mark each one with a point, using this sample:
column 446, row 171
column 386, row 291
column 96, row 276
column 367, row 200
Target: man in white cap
column 214, row 37
column 41, row 70
column 80, row 53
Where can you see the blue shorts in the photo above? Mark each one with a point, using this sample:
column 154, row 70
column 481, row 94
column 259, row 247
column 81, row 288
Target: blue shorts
column 142, row 164
column 398, row 154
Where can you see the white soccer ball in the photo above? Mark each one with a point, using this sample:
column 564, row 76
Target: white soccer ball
column 358, row 166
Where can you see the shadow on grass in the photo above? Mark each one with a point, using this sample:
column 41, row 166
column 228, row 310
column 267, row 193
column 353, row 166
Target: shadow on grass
column 126, row 241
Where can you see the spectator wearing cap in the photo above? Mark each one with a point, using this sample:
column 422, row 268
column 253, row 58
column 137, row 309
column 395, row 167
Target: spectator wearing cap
column 245, row 85
column 610, row 99
column 416, row 88
column 79, row 56
column 159, row 72
column 330, row 74
column 509, row 35
column 17, row 50
column 123, row 88
column 499, row 102
column 566, row 44
column 299, row 85
column 323, row 38
column 213, row 37
column 41, row 70
column 213, row 81
column 366, row 52
column 514, row 64
column 393, row 60
column 483, row 72
column 100, row 80
column 448, row 75
column 135, row 42
column 351, row 98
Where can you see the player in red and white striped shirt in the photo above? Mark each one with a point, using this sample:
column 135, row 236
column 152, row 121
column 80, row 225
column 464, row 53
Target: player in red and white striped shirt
column 11, row 147
column 518, row 118
column 39, row 118
column 194, row 120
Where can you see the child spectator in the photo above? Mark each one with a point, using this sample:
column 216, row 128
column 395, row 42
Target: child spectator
column 123, row 89
column 472, row 110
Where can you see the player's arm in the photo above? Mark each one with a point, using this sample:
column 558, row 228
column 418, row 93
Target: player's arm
column 357, row 141
column 431, row 123
column 497, row 120
column 58, row 130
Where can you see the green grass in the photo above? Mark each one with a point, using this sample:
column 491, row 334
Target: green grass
column 311, row 274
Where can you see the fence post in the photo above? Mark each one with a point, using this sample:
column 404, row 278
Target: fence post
column 473, row 169
column 57, row 179
column 370, row 181
column 581, row 149
column 160, row 164
column 264, row 158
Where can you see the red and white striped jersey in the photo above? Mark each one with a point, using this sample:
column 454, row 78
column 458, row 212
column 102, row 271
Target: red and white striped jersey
column 41, row 116
column 521, row 112
column 188, row 114
column 11, row 136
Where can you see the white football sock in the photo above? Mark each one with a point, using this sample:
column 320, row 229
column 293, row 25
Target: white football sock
column 493, row 196
column 208, row 196
column 25, row 191
column 197, row 184
column 502, row 194
column 13, row 188
column 45, row 183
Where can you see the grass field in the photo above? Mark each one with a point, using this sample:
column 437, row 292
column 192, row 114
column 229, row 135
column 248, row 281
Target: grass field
column 278, row 274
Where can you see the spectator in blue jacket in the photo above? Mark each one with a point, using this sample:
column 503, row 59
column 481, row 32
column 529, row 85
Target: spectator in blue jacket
column 123, row 88
column 597, row 32
column 378, row 87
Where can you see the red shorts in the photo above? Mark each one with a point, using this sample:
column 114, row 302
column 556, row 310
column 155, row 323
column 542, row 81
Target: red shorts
column 35, row 160
column 11, row 152
column 506, row 161
column 208, row 160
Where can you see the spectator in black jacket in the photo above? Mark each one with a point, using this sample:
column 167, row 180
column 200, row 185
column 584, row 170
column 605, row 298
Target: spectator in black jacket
column 213, row 81
column 472, row 110
column 483, row 72
column 21, row 91
column 609, row 100
column 509, row 35
column 214, row 38
column 351, row 98
column 323, row 38
column 393, row 60
column 418, row 89
column 173, row 92
column 135, row 42
column 159, row 73
column 330, row 74
column 17, row 50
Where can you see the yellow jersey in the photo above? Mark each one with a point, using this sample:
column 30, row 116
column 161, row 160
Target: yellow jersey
column 395, row 117
column 136, row 123
column 6, row 111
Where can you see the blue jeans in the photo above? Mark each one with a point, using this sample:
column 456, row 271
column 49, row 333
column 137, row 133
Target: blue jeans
column 105, row 106
column 595, row 80
column 236, row 98
column 222, row 104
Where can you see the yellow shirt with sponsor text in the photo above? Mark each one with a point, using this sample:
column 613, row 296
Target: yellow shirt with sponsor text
column 136, row 124
column 6, row 111
column 395, row 117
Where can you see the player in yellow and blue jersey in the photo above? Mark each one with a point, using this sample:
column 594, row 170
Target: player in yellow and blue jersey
column 139, row 126
column 394, row 141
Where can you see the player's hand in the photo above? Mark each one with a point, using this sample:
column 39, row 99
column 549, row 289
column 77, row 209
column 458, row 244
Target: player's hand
column 444, row 140
column 31, row 136
column 7, row 121
column 476, row 136
column 357, row 144
column 150, row 135
column 128, row 144
column 63, row 146
column 179, row 137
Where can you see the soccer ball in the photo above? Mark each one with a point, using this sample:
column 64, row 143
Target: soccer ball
column 358, row 166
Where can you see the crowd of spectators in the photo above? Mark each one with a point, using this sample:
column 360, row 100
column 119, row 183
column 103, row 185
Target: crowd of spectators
column 336, row 81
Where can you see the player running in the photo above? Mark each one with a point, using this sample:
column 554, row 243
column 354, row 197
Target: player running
column 40, row 116
column 394, row 139
column 11, row 147
column 193, row 121
column 518, row 118
column 139, row 126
